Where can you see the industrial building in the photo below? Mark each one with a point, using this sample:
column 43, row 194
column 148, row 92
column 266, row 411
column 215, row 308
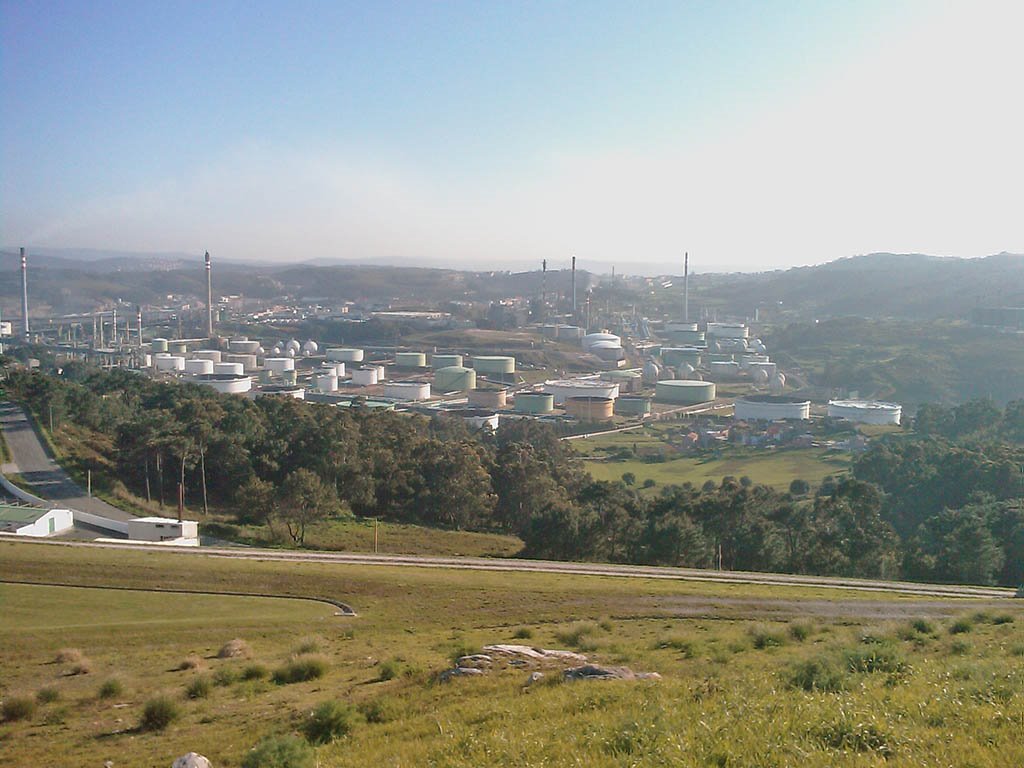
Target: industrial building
column 165, row 530
column 20, row 520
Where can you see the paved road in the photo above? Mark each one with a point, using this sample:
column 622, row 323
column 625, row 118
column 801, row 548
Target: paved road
column 41, row 474
column 584, row 569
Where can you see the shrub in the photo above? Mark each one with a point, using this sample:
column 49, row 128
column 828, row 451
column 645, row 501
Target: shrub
column 389, row 669
column 959, row 647
column 47, row 695
column 307, row 645
column 81, row 667
column 255, row 672
column 574, row 635
column 69, row 656
column 800, row 630
column 234, row 649
column 111, row 688
column 192, row 661
column 1002, row 618
column 18, row 708
column 817, row 675
column 922, row 626
column 960, row 626
column 876, row 658
column 606, row 625
column 280, row 752
column 854, row 734
column 375, row 711
column 523, row 633
column 158, row 713
column 329, row 721
column 765, row 637
column 225, row 676
column 301, row 669
column 199, row 688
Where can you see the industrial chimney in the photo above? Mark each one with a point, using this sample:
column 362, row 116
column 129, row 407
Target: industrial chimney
column 574, row 289
column 543, row 284
column 24, row 294
column 138, row 320
column 686, row 287
column 209, row 298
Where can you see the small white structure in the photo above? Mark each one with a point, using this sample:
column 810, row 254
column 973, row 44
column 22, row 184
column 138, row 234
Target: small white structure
column 34, row 521
column 344, row 355
column 165, row 530
column 279, row 364
column 365, row 376
column 407, row 390
column 865, row 411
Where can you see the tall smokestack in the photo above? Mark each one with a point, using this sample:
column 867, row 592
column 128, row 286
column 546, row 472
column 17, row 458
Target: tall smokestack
column 574, row 289
column 209, row 298
column 138, row 321
column 113, row 328
column 686, row 287
column 24, row 294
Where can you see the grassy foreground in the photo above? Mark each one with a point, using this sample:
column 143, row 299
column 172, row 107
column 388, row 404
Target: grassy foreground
column 752, row 675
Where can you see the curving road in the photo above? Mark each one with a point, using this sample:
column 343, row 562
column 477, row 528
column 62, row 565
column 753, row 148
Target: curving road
column 41, row 475
column 582, row 569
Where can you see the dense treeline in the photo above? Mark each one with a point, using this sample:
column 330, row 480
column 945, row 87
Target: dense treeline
column 921, row 508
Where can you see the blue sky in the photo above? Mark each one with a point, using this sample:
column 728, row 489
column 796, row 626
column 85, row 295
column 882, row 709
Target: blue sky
column 754, row 134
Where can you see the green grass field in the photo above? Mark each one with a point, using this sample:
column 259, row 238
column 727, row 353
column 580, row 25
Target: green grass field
column 729, row 656
column 775, row 468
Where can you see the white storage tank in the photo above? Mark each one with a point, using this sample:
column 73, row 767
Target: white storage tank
column 248, row 361
column 564, row 389
column 226, row 383
column 411, row 391
column 345, row 355
column 488, row 397
column 279, row 364
column 327, row 382
column 865, row 411
column 684, row 392
column 242, row 346
column 199, row 366
column 771, row 408
column 169, row 362
column 724, row 371
column 207, row 354
column 365, row 376
column 310, row 348
column 281, row 390
column 728, row 331
column 233, row 369
column 594, row 338
column 158, row 345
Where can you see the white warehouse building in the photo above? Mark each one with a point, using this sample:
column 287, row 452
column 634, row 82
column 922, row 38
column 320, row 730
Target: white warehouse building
column 34, row 521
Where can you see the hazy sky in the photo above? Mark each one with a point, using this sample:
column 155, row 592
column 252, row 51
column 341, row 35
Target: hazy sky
column 753, row 134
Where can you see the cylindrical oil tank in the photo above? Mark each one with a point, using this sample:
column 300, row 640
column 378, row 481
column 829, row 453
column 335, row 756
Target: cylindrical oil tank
column 177, row 347
column 676, row 356
column 590, row 409
column 289, row 378
column 169, row 362
column 327, row 382
column 477, row 418
column 568, row 333
column 865, row 411
column 680, row 325
column 628, row 381
column 365, row 376
column 279, row 364
column 243, row 346
column 310, row 348
column 685, row 337
column 609, row 351
column 234, row 384
column 207, row 354
column 728, row 331
column 454, row 378
column 488, row 397
column 199, row 366
column 345, row 355
column 769, row 369
column 248, row 361
column 591, row 339
column 282, row 390
column 549, row 331
column 147, row 360
column 684, row 392
column 382, row 371
column 410, row 360
column 407, row 390
column 534, row 402
column 563, row 389
column 724, row 371
column 234, row 369
column 494, row 364
column 158, row 345
column 445, row 361
column 750, row 357
column 633, row 406
column 771, row 408
column 334, row 369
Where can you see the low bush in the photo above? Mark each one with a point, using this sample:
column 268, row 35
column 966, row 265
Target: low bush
column 18, row 708
column 375, row 711
column 192, row 661
column 199, row 688
column 111, row 688
column 329, row 721
column 800, row 630
column 280, row 752
column 876, row 658
column 764, row 637
column 922, row 626
column 81, row 667
column 307, row 645
column 960, row 626
column 158, row 713
column 523, row 633
column 69, row 656
column 47, row 695
column 389, row 670
column 255, row 672
column 854, row 734
column 225, row 676
column 574, row 636
column 301, row 669
column 234, row 649
column 1002, row 618
column 817, row 675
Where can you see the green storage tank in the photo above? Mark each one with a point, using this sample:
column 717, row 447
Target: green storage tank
column 496, row 364
column 684, row 392
column 534, row 402
column 676, row 356
column 410, row 360
column 454, row 378
column 633, row 406
column 445, row 361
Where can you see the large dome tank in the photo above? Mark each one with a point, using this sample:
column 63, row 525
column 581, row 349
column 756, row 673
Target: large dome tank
column 651, row 372
column 778, row 383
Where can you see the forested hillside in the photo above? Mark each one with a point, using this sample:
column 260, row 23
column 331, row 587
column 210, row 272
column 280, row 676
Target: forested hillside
column 943, row 505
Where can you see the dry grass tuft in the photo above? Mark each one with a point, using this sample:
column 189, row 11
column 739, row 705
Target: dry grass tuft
column 69, row 656
column 192, row 661
column 235, row 649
